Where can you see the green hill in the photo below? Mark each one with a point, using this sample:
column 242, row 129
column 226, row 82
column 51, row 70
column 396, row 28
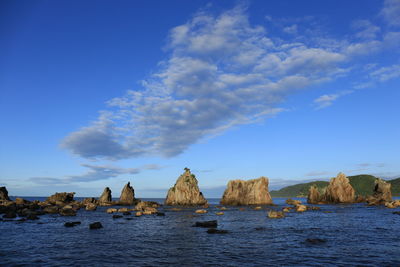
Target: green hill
column 363, row 185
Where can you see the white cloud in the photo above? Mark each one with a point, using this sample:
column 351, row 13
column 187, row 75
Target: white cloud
column 221, row 71
column 365, row 29
column 384, row 74
column 291, row 29
column 391, row 12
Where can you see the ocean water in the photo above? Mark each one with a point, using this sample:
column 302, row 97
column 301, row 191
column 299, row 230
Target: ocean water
column 354, row 235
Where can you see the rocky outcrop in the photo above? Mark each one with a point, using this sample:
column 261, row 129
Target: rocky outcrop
column 127, row 195
column 339, row 190
column 60, row 198
column 382, row 193
column 106, row 197
column 251, row 192
column 4, row 194
column 185, row 192
column 313, row 195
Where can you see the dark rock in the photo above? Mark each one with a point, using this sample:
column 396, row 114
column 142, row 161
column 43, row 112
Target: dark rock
column 71, row 224
column 396, row 212
column 61, row 197
column 160, row 214
column 10, row 215
column 315, row 241
column 117, row 216
column 127, row 195
column 4, row 194
column 206, row 224
column 67, row 212
column 32, row 216
column 95, row 225
column 260, row 228
column 88, row 200
column 91, row 206
column 128, row 219
column 126, row 213
column 216, row 231
column 382, row 193
column 106, row 197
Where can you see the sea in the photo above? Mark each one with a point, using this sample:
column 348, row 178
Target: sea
column 336, row 235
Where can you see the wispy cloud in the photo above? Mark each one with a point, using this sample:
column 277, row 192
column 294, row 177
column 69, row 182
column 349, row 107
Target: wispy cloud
column 95, row 173
column 317, row 173
column 221, row 71
column 327, row 100
column 391, row 12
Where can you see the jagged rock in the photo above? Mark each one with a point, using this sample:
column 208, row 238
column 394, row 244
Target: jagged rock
column 251, row 192
column 106, row 197
column 21, row 201
column 382, row 193
column 61, row 198
column 339, row 190
column 142, row 205
column 276, row 214
column 127, row 195
column 67, row 212
column 51, row 209
column 96, row 225
column 313, row 195
column 185, row 191
column 4, row 194
column 206, row 224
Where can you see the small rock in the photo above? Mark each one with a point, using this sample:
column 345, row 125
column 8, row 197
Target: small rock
column 301, row 208
column 71, row 224
column 219, row 213
column 91, row 206
column 128, row 219
column 160, row 214
column 96, row 225
column 242, row 209
column 32, row 217
column 290, row 201
column 175, row 209
column 67, row 212
column 201, row 211
column 138, row 214
column 216, row 231
column 117, row 216
column 207, row 224
column 260, row 228
column 276, row 214
column 223, row 208
column 286, row 209
column 111, row 210
column 258, row 208
column 51, row 209
column 123, row 210
column 396, row 212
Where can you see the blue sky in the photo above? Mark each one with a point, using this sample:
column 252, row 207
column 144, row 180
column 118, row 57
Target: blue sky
column 98, row 93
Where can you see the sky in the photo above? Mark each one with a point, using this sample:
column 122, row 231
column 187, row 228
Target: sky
column 99, row 93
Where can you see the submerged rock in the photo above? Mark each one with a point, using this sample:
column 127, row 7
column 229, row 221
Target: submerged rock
column 4, row 194
column 95, row 225
column 216, row 231
column 276, row 214
column 315, row 241
column 339, row 190
column 59, row 198
column 185, row 191
column 290, row 201
column 127, row 195
column 251, row 192
column 206, row 224
column 106, row 197
column 382, row 193
column 71, row 224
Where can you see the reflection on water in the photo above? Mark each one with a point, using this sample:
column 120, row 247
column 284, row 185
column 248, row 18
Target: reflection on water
column 354, row 235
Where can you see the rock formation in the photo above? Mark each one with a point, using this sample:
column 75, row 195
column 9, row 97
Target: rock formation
column 106, row 196
column 185, row 191
column 127, row 195
column 339, row 190
column 382, row 193
column 4, row 194
column 58, row 198
column 251, row 192
column 313, row 195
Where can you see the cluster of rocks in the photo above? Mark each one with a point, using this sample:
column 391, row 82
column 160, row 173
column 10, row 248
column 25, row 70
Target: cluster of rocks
column 296, row 205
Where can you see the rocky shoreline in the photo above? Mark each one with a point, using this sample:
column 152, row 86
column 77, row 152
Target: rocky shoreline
column 252, row 193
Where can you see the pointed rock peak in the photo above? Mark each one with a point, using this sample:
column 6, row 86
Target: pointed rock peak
column 128, row 195
column 313, row 195
column 106, row 196
column 251, row 192
column 382, row 190
column 339, row 190
column 186, row 191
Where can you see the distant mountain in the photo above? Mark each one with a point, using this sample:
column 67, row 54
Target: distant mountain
column 363, row 185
